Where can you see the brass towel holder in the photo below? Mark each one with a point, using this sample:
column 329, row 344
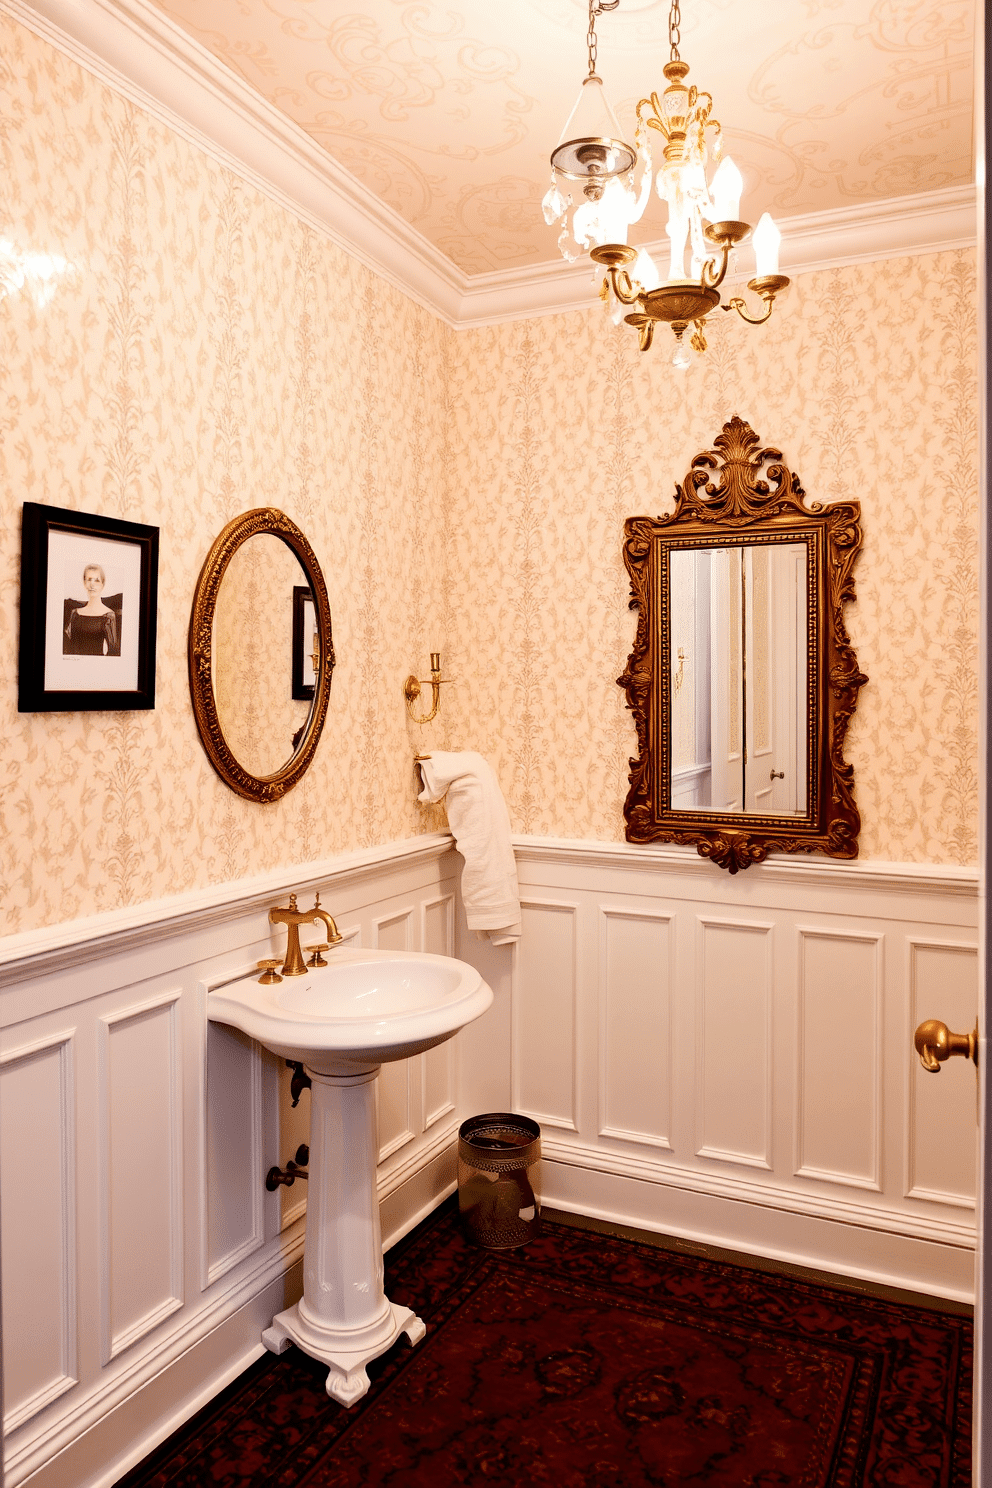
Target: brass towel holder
column 412, row 687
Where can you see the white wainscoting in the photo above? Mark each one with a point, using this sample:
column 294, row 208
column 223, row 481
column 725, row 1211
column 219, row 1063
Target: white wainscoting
column 729, row 1059
column 142, row 1255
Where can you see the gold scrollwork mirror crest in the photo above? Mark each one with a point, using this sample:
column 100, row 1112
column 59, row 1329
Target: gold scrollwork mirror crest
column 298, row 744
column 740, row 518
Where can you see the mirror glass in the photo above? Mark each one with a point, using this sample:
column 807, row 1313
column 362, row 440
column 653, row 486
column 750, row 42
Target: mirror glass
column 252, row 645
column 739, row 678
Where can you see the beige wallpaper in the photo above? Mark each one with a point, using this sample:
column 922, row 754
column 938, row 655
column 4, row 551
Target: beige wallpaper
column 865, row 378
column 182, row 350
column 197, row 359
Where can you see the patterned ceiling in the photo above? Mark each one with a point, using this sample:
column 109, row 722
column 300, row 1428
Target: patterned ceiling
column 448, row 111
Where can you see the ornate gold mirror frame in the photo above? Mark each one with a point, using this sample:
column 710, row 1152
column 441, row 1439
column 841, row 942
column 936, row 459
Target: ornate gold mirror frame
column 741, row 495
column 201, row 682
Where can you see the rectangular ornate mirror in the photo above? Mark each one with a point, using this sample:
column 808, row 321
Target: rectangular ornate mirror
column 742, row 680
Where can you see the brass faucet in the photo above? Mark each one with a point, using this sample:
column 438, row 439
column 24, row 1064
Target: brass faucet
column 293, row 918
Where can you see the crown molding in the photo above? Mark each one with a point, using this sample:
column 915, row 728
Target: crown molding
column 140, row 52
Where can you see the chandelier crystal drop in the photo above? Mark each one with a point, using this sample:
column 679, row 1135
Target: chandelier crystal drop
column 596, row 198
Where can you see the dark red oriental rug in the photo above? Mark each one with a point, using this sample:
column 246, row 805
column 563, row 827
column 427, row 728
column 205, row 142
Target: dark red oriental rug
column 587, row 1361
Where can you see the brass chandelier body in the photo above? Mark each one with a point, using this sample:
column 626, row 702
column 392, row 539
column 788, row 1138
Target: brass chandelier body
column 682, row 115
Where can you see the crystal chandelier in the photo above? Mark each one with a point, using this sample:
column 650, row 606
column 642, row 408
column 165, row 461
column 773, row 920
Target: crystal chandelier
column 703, row 217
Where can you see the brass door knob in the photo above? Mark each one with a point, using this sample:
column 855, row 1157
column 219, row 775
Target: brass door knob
column 935, row 1042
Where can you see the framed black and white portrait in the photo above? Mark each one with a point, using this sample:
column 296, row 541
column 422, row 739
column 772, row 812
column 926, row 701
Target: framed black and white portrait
column 89, row 595
column 306, row 643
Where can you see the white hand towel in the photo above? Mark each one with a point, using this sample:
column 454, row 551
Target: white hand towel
column 480, row 825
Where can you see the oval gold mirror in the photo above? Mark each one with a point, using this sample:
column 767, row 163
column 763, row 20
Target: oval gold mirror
column 260, row 654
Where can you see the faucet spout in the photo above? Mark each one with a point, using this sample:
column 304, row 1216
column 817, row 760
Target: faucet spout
column 334, row 936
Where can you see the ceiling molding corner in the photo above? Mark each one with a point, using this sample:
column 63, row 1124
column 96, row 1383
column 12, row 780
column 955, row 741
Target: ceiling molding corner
column 137, row 50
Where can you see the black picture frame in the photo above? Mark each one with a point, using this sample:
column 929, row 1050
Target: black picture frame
column 302, row 596
column 69, row 662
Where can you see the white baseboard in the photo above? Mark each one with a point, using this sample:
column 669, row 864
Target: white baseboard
column 845, row 1249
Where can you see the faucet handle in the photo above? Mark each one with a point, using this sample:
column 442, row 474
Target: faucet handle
column 269, row 969
column 317, row 959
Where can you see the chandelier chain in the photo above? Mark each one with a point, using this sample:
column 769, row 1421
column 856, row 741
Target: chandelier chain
column 596, row 8
column 674, row 30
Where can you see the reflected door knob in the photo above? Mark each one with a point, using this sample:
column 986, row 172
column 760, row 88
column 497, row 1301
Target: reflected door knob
column 935, row 1042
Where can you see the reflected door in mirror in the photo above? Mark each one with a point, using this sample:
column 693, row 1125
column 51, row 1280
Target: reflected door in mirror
column 253, row 655
column 739, row 678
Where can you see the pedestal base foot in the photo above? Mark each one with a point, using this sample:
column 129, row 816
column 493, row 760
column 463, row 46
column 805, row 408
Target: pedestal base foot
column 347, row 1354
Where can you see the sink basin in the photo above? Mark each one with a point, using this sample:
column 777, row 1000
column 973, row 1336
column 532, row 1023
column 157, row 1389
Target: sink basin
column 365, row 1008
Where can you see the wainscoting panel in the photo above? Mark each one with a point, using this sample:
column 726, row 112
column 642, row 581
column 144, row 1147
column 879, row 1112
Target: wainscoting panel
column 733, row 1056
column 439, row 926
column 943, row 1111
column 394, row 932
column 37, row 1157
column 233, row 1197
column 735, row 1053
column 544, row 1014
column 840, row 1019
column 635, row 1075
column 437, row 1065
column 147, row 1257
column 140, row 1160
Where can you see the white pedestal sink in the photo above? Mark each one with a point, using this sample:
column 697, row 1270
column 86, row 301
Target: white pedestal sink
column 364, row 1009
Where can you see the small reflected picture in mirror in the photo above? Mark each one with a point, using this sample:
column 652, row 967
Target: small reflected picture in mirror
column 306, row 644
column 88, row 612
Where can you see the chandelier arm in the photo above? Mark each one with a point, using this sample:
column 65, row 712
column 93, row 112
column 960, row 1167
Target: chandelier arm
column 645, row 334
column 627, row 292
column 711, row 277
column 741, row 307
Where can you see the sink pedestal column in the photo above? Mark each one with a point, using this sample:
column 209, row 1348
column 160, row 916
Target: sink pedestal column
column 344, row 1318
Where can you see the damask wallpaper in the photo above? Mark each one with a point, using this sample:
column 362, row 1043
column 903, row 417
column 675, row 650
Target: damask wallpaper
column 177, row 349
column 865, row 378
column 197, row 357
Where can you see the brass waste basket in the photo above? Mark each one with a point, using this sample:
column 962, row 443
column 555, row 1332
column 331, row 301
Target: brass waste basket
column 497, row 1179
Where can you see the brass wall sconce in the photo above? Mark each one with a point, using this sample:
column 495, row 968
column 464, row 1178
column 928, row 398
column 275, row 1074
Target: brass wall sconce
column 411, row 689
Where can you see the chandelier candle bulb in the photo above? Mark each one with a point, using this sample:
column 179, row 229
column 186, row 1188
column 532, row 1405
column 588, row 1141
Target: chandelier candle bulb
column 646, row 271
column 725, row 190
column 767, row 239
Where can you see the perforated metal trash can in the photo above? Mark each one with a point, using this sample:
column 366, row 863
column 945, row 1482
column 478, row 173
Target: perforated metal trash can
column 499, row 1158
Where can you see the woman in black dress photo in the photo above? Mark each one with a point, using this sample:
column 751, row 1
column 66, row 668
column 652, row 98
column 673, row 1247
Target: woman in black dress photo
column 93, row 628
